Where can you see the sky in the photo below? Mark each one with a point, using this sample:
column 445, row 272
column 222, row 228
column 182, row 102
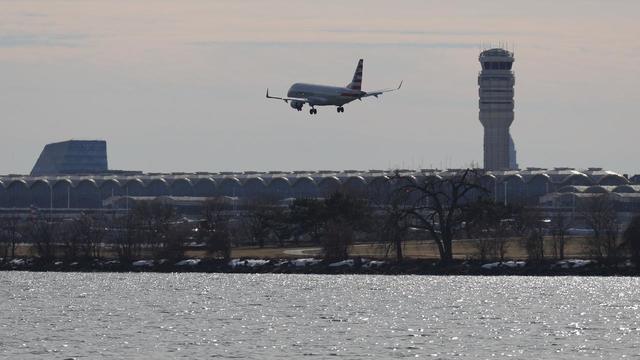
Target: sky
column 180, row 85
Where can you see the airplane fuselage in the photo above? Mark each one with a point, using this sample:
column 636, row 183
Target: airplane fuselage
column 322, row 95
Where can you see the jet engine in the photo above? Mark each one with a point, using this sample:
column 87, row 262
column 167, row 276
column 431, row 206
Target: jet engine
column 297, row 104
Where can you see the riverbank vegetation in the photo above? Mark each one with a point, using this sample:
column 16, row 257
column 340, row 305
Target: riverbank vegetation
column 447, row 214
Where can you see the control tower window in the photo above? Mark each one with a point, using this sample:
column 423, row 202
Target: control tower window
column 496, row 65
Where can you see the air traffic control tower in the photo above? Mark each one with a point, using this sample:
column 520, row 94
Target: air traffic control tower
column 496, row 81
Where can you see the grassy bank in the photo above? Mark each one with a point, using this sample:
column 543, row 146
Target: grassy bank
column 575, row 247
column 421, row 257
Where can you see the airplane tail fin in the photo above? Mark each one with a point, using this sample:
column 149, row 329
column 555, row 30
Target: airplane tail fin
column 356, row 83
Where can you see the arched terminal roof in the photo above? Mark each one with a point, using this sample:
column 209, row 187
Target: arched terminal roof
column 531, row 183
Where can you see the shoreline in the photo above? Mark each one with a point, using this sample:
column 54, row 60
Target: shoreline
column 570, row 267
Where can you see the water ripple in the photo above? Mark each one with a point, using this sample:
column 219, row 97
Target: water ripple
column 258, row 316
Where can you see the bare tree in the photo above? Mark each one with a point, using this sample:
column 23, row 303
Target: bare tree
column 70, row 239
column 342, row 216
column 126, row 231
column 632, row 240
column 89, row 231
column 10, row 235
column 43, row 234
column 439, row 205
column 334, row 222
column 307, row 216
column 155, row 220
column 392, row 224
column 4, row 244
column 600, row 215
column 173, row 247
column 337, row 239
column 256, row 222
column 267, row 220
column 489, row 224
column 214, row 229
column 534, row 245
column 560, row 225
column 528, row 224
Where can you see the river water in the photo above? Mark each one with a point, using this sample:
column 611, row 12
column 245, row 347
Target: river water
column 131, row 315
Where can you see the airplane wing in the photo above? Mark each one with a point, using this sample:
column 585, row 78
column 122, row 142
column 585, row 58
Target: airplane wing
column 380, row 92
column 287, row 99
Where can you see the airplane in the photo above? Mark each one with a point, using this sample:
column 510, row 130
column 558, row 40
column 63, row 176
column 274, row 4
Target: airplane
column 322, row 95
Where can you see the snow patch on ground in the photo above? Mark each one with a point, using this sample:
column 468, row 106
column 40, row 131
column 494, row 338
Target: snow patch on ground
column 505, row 264
column 188, row 262
column 348, row 263
column 373, row 264
column 18, row 262
column 305, row 262
column 573, row 263
column 247, row 263
column 143, row 263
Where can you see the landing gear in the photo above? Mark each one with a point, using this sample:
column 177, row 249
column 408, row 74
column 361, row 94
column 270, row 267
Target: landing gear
column 340, row 109
column 313, row 111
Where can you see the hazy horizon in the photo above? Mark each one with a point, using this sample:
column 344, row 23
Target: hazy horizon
column 179, row 86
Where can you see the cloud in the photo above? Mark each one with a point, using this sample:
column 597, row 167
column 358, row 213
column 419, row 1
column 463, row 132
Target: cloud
column 420, row 32
column 417, row 44
column 22, row 40
column 29, row 14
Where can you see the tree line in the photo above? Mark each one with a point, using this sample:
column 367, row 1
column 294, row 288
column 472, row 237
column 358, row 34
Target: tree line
column 441, row 210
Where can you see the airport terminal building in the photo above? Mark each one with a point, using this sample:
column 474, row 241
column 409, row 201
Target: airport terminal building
column 99, row 188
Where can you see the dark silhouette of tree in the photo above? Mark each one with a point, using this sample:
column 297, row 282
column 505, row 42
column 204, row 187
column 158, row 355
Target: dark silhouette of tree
column 173, row 247
column 70, row 240
column 391, row 223
column 342, row 216
column 4, row 243
column 43, row 234
column 338, row 237
column 524, row 220
column 489, row 224
column 333, row 221
column 126, row 232
column 600, row 215
column 528, row 224
column 534, row 245
column 307, row 217
column 10, row 235
column 560, row 225
column 632, row 240
column 439, row 205
column 91, row 230
column 214, row 231
column 155, row 220
column 256, row 222
column 266, row 220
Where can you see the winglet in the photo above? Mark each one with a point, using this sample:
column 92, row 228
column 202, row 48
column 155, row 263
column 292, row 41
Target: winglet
column 399, row 86
column 267, row 92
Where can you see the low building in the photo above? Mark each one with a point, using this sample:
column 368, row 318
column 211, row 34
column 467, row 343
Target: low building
column 63, row 179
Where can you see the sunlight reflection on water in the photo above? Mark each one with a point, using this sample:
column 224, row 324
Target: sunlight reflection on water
column 113, row 315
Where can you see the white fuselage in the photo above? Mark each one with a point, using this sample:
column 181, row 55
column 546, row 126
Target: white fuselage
column 321, row 95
